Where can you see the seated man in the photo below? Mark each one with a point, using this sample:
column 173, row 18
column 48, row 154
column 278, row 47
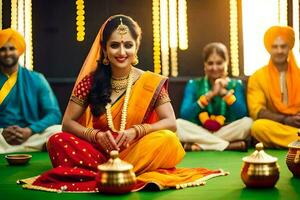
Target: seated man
column 274, row 92
column 28, row 107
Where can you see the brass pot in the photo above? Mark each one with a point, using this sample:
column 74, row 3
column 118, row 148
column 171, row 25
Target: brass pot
column 260, row 170
column 293, row 157
column 115, row 176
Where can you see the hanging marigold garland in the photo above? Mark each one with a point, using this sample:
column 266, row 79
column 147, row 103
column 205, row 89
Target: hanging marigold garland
column 80, row 23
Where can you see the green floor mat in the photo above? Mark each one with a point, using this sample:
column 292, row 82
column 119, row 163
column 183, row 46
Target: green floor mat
column 225, row 187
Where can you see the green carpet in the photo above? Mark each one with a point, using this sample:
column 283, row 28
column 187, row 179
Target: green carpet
column 226, row 187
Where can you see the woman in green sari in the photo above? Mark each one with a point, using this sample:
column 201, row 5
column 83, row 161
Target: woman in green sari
column 213, row 112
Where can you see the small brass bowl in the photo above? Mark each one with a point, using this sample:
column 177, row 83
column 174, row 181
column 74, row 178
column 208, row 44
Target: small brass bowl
column 293, row 157
column 260, row 175
column 18, row 159
column 293, row 161
column 115, row 176
column 260, row 170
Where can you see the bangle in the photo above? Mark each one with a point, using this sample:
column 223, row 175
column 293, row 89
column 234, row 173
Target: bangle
column 142, row 130
column 94, row 136
column 229, row 98
column 89, row 134
column 202, row 101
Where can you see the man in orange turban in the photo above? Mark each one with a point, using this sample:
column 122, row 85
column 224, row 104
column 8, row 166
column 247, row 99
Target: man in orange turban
column 274, row 92
column 28, row 107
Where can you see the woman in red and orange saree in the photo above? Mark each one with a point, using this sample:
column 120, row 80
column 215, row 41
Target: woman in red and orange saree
column 115, row 106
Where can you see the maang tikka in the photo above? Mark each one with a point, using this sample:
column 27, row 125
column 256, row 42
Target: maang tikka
column 122, row 29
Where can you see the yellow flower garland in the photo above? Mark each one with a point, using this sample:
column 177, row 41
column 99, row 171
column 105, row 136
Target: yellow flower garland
column 124, row 109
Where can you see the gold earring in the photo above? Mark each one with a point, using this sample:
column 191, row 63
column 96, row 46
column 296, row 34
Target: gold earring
column 105, row 61
column 135, row 60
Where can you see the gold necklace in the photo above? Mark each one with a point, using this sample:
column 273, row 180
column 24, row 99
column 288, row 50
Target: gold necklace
column 119, row 85
column 124, row 109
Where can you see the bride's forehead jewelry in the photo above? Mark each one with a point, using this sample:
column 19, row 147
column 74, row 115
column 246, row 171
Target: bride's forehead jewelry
column 122, row 29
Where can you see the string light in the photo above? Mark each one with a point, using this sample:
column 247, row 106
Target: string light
column 164, row 37
column 234, row 40
column 173, row 23
column 21, row 26
column 0, row 14
column 282, row 12
column 169, row 20
column 80, row 20
column 21, row 20
column 28, row 34
column 174, row 62
column 156, row 36
column 173, row 36
column 296, row 28
column 182, row 25
column 14, row 15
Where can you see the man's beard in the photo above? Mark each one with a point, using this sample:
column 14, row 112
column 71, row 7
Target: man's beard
column 9, row 65
column 280, row 61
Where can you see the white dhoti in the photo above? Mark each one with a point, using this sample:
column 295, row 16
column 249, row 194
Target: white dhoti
column 219, row 140
column 34, row 142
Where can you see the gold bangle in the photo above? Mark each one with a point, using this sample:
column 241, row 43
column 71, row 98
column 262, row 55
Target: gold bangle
column 147, row 128
column 89, row 135
column 142, row 130
column 138, row 131
column 94, row 136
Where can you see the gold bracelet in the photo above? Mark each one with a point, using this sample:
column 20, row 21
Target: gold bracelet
column 142, row 130
column 89, row 134
column 138, row 130
column 94, row 135
column 147, row 128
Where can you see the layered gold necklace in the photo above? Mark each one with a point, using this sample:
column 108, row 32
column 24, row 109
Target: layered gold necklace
column 119, row 84
column 128, row 85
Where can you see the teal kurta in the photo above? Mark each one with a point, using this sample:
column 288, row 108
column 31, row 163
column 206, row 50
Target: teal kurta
column 31, row 102
column 190, row 109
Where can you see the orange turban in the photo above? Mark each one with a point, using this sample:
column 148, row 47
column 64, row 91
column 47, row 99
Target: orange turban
column 10, row 35
column 285, row 32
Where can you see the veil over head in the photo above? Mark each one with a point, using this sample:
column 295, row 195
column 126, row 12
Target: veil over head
column 90, row 64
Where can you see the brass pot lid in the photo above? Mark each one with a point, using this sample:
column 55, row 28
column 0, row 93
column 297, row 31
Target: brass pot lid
column 259, row 156
column 295, row 144
column 115, row 164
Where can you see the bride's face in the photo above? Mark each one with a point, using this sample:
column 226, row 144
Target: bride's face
column 121, row 50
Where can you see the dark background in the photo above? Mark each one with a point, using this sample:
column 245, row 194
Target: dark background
column 59, row 56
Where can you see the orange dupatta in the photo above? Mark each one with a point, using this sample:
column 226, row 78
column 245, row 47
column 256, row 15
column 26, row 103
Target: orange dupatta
column 144, row 95
column 293, row 82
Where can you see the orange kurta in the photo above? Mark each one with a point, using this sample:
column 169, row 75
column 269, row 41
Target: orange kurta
column 264, row 93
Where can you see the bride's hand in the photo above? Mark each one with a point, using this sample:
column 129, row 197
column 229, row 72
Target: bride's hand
column 106, row 141
column 125, row 138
